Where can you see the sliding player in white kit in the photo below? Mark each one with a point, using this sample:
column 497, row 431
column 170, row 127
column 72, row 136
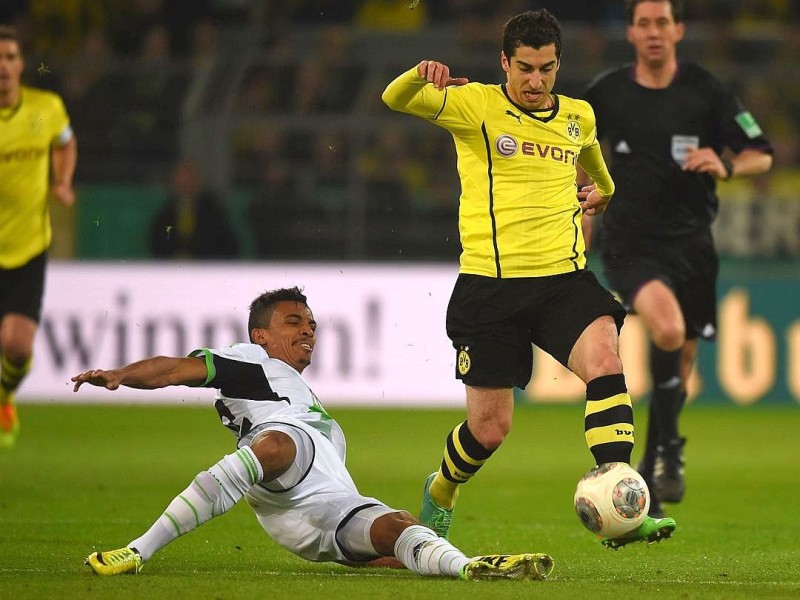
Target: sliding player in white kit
column 290, row 461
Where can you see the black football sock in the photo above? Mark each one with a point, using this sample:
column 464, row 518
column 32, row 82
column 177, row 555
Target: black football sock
column 668, row 393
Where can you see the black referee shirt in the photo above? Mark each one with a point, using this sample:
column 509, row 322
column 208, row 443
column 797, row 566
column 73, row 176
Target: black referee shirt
column 649, row 130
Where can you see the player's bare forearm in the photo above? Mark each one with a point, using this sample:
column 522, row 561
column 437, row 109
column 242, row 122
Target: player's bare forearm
column 64, row 159
column 147, row 374
column 747, row 162
column 751, row 162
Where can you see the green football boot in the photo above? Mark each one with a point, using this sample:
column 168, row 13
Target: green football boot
column 650, row 531
column 432, row 515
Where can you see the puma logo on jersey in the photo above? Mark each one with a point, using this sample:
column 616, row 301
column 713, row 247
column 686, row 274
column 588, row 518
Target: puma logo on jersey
column 517, row 117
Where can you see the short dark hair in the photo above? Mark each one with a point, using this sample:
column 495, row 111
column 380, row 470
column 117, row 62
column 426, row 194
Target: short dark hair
column 534, row 28
column 262, row 307
column 677, row 8
column 9, row 34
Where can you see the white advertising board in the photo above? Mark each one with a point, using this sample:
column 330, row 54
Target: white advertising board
column 381, row 328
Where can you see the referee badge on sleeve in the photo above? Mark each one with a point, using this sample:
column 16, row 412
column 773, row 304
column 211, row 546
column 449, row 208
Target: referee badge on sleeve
column 748, row 124
column 464, row 362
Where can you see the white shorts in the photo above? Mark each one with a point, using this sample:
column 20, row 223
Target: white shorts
column 314, row 509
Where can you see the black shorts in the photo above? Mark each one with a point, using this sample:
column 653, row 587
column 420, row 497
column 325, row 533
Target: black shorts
column 22, row 288
column 688, row 266
column 493, row 322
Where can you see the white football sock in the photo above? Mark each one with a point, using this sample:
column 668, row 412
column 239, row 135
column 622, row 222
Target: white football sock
column 212, row 493
column 423, row 552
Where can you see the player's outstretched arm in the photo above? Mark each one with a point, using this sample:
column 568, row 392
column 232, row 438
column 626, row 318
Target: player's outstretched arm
column 147, row 374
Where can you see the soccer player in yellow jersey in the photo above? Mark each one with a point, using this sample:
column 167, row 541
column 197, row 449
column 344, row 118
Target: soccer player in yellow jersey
column 38, row 153
column 523, row 277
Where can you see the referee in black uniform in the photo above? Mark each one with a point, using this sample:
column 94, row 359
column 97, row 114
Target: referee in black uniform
column 672, row 129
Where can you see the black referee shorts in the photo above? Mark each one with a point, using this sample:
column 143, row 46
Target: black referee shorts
column 22, row 288
column 688, row 266
column 493, row 322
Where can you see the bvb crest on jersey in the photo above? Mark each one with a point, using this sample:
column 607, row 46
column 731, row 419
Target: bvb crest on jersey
column 573, row 127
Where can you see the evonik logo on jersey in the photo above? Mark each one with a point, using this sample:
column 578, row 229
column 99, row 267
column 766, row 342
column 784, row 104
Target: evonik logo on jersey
column 20, row 154
column 508, row 146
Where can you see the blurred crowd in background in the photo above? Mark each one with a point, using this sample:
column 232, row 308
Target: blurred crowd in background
column 260, row 121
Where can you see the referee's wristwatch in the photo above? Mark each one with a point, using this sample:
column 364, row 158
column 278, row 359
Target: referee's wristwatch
column 728, row 165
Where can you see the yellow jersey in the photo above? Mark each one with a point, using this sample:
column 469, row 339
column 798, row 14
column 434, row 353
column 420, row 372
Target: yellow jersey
column 27, row 131
column 518, row 213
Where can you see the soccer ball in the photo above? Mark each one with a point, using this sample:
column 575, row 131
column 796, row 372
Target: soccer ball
column 612, row 500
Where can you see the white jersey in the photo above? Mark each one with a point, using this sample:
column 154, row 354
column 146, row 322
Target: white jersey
column 314, row 509
column 253, row 388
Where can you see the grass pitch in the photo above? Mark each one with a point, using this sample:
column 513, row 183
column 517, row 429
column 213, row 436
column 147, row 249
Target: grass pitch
column 86, row 478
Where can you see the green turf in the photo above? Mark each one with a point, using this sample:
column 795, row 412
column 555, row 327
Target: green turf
column 93, row 477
